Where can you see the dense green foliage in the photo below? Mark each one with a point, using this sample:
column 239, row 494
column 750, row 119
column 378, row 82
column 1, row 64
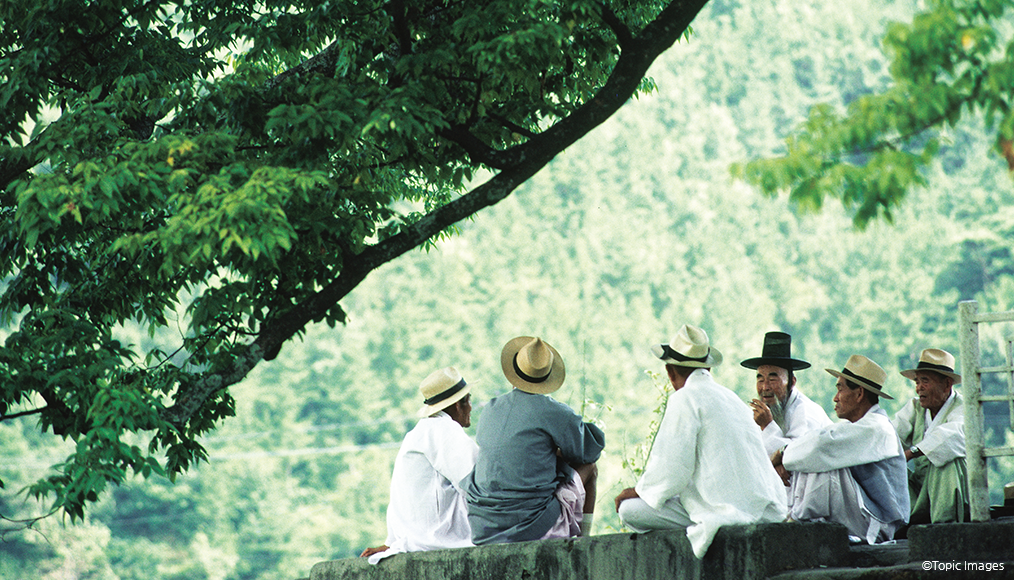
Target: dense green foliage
column 633, row 231
column 955, row 59
column 231, row 170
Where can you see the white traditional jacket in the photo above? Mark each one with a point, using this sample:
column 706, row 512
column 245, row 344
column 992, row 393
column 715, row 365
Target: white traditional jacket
column 427, row 510
column 802, row 415
column 871, row 450
column 943, row 440
column 708, row 452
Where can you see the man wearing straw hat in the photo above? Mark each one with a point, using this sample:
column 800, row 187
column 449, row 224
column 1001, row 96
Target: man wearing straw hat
column 707, row 467
column 932, row 429
column 427, row 510
column 535, row 474
column 852, row 472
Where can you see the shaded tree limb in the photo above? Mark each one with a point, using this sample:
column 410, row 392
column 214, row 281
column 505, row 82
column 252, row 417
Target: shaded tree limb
column 518, row 165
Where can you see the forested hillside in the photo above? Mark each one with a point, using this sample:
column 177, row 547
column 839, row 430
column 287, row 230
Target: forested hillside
column 630, row 233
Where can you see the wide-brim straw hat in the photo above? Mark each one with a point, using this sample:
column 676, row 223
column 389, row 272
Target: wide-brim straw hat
column 532, row 365
column 777, row 351
column 936, row 360
column 441, row 389
column 865, row 373
column 689, row 348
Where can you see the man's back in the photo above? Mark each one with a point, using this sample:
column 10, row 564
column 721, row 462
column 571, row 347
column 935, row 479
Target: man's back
column 708, row 452
column 427, row 511
column 510, row 492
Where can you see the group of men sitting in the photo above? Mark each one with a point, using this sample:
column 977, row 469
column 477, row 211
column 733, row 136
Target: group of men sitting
column 531, row 472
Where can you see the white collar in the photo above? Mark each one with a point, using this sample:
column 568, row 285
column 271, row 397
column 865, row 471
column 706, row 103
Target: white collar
column 931, row 421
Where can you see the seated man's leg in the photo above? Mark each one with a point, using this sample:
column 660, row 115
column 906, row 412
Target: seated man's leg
column 830, row 496
column 947, row 491
column 918, row 492
column 636, row 514
column 571, row 496
column 589, row 474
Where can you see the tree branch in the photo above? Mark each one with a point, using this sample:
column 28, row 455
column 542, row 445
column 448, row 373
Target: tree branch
column 16, row 163
column 519, row 164
column 622, row 32
column 23, row 413
column 324, row 62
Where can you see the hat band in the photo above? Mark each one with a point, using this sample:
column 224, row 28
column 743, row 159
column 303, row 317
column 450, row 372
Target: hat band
column 670, row 353
column 932, row 367
column 529, row 378
column 446, row 394
column 865, row 380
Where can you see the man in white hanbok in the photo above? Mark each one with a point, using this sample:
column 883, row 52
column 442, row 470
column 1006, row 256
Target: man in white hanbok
column 781, row 411
column 427, row 509
column 725, row 478
column 852, row 472
column 932, row 429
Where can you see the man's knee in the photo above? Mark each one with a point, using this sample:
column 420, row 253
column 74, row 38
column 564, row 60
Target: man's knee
column 627, row 509
column 589, row 473
column 634, row 513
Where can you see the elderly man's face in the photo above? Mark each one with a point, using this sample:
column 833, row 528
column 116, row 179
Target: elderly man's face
column 846, row 402
column 772, row 384
column 932, row 389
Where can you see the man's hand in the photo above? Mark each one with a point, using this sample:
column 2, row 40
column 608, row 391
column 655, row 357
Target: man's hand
column 626, row 494
column 785, row 475
column 776, row 462
column 371, row 551
column 761, row 413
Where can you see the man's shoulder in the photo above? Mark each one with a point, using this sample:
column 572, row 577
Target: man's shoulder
column 517, row 401
column 804, row 402
column 704, row 388
column 702, row 379
column 955, row 408
column 439, row 423
column 876, row 418
column 908, row 410
column 959, row 401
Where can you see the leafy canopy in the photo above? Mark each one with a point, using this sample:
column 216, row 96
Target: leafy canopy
column 955, row 59
column 224, row 172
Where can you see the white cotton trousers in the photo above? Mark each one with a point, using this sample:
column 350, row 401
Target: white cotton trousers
column 834, row 496
column 640, row 517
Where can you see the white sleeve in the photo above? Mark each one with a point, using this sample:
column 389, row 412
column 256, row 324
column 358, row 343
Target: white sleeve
column 843, row 444
column 904, row 422
column 773, row 438
column 946, row 441
column 673, row 454
column 452, row 452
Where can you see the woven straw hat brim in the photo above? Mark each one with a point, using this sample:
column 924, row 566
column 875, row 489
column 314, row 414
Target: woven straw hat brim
column 557, row 372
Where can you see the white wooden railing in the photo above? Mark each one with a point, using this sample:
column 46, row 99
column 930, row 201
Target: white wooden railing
column 975, row 432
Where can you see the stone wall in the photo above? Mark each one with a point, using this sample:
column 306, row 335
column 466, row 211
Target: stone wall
column 737, row 553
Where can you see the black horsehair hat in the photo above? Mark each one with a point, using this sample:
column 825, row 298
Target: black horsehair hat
column 777, row 352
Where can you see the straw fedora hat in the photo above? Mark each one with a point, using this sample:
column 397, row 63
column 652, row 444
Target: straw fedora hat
column 865, row 373
column 441, row 389
column 936, row 360
column 689, row 348
column 532, row 365
column 777, row 351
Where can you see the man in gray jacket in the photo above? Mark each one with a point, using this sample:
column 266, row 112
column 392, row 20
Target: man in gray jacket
column 535, row 474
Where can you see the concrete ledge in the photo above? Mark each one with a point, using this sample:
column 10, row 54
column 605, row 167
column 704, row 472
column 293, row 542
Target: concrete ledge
column 982, row 542
column 932, row 552
column 739, row 552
